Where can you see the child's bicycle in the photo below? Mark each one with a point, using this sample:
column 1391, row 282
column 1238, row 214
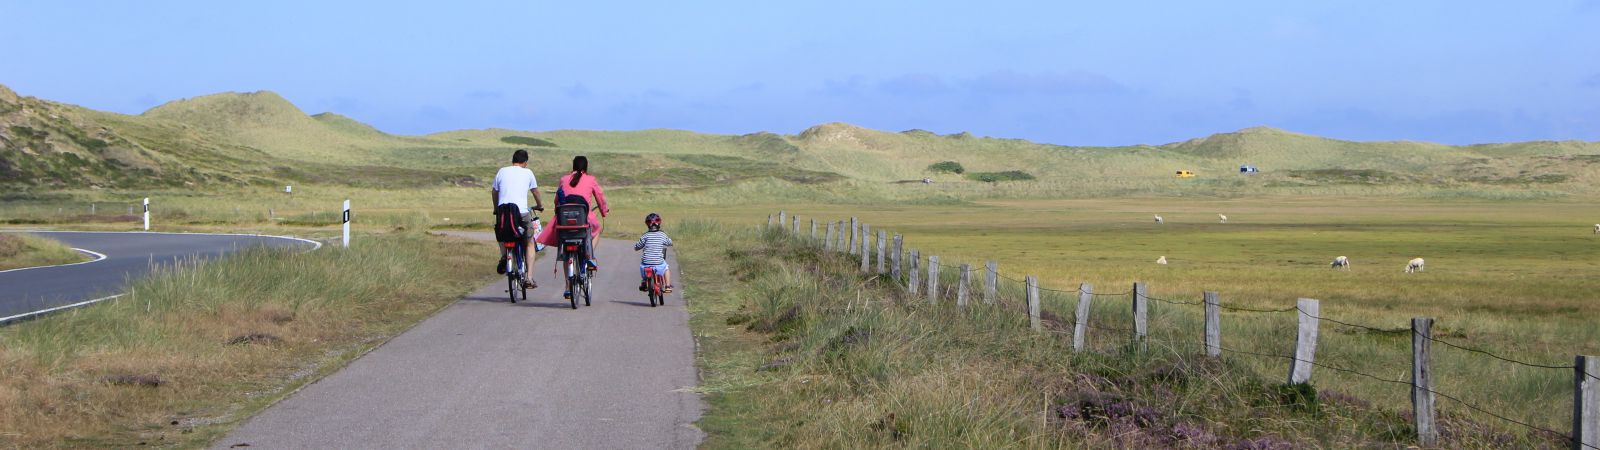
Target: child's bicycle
column 654, row 284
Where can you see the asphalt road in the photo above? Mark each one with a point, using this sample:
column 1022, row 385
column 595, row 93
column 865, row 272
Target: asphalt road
column 127, row 256
column 485, row 373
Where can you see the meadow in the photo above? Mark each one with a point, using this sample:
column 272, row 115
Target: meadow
column 800, row 350
column 1512, row 278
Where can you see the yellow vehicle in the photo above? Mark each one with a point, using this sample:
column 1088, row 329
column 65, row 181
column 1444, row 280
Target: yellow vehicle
column 1185, row 174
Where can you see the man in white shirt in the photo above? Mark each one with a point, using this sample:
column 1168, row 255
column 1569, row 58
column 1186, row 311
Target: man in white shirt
column 511, row 186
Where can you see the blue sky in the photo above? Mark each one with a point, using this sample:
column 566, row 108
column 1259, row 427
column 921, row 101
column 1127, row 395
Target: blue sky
column 1081, row 73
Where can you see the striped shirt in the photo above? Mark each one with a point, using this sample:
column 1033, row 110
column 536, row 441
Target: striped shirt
column 655, row 245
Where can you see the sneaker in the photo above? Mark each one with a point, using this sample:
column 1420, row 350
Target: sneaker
column 500, row 267
column 566, row 295
column 529, row 284
column 593, row 266
column 642, row 287
column 668, row 289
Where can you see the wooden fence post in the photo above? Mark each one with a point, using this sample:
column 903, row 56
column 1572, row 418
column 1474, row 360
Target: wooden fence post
column 839, row 246
column 894, row 269
column 1586, row 403
column 827, row 239
column 1422, row 381
column 1033, row 303
column 883, row 237
column 813, row 229
column 964, row 285
column 1213, row 325
column 769, row 221
column 933, row 279
column 1141, row 314
column 782, row 220
column 796, row 228
column 866, row 256
column 855, row 229
column 991, row 281
column 1305, row 342
column 1080, row 325
column 911, row 277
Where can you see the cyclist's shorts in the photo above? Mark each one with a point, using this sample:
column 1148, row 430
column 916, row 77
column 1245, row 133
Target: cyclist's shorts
column 660, row 268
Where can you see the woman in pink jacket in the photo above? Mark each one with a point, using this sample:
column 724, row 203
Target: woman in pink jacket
column 580, row 183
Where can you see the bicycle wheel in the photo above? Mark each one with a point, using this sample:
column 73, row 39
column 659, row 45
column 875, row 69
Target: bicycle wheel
column 650, row 290
column 511, row 286
column 572, row 286
column 522, row 287
column 587, row 282
column 661, row 292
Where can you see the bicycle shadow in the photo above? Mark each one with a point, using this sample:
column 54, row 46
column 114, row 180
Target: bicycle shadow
column 557, row 304
column 631, row 303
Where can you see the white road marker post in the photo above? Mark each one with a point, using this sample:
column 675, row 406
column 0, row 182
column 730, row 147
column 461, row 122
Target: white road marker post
column 346, row 224
column 147, row 213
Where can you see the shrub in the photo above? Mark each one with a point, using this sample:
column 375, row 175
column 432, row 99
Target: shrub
column 991, row 177
column 947, row 167
column 528, row 141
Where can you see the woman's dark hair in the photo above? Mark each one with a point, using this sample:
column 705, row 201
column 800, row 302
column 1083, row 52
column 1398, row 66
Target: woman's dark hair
column 580, row 166
column 520, row 156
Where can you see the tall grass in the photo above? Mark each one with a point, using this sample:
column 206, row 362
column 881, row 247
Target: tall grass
column 198, row 346
column 800, row 350
column 19, row 250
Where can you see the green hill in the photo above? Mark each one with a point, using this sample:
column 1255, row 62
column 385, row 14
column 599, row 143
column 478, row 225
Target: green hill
column 347, row 125
column 262, row 138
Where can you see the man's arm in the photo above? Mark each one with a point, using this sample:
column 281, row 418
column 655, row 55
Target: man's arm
column 494, row 196
column 538, row 203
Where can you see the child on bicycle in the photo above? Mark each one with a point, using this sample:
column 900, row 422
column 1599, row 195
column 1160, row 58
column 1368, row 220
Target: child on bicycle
column 654, row 243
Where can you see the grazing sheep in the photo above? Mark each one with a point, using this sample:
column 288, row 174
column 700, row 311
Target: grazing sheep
column 1414, row 266
column 1597, row 228
column 1162, row 260
column 1224, row 218
column 1159, row 219
column 1341, row 263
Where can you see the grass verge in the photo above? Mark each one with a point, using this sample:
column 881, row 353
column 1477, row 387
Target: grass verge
column 798, row 350
column 196, row 348
column 23, row 250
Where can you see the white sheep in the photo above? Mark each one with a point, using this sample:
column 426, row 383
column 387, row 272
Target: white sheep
column 1162, row 260
column 1597, row 228
column 1414, row 266
column 1159, row 219
column 1340, row 263
column 1223, row 217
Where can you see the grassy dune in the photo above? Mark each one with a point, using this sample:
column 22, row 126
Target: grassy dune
column 800, row 351
column 194, row 349
column 24, row 250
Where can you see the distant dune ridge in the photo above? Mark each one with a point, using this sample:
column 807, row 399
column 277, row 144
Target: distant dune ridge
column 260, row 138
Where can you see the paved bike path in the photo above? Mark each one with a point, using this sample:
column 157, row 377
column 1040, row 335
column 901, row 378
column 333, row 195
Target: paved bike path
column 484, row 373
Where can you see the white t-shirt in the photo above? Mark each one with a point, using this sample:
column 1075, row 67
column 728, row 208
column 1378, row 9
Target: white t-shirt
column 513, row 184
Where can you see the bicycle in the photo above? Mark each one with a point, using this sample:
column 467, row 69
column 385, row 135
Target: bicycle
column 514, row 253
column 573, row 228
column 654, row 284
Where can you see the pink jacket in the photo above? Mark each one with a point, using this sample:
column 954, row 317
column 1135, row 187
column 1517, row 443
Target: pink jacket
column 589, row 188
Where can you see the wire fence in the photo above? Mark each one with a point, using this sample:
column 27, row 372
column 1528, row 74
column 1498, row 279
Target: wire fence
column 1037, row 300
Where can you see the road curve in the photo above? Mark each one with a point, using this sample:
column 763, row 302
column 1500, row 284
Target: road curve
column 485, row 373
column 126, row 256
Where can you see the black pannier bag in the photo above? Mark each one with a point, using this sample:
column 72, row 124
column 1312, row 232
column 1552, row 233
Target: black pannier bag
column 508, row 225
